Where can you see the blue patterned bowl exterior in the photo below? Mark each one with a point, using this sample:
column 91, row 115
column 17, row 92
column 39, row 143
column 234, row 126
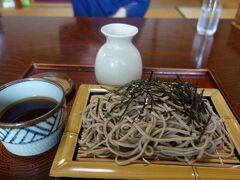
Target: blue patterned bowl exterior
column 38, row 135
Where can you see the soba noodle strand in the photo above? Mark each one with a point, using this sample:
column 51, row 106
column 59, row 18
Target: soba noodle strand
column 153, row 119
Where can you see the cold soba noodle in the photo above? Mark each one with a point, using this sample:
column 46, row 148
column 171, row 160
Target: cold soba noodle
column 153, row 119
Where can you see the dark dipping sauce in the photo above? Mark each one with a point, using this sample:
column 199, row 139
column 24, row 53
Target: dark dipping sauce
column 27, row 109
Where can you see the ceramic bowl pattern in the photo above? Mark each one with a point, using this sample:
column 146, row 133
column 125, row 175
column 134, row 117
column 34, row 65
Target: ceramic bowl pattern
column 32, row 133
column 37, row 135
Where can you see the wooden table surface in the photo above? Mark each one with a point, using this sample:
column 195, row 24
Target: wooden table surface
column 162, row 43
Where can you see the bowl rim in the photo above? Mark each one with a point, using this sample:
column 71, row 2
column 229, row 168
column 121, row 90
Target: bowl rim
column 40, row 118
column 58, row 75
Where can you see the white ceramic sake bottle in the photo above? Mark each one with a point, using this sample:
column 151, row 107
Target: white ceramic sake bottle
column 118, row 61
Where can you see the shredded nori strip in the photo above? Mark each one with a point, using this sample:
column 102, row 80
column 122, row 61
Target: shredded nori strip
column 181, row 93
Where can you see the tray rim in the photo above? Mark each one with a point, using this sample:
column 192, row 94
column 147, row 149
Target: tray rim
column 64, row 165
column 90, row 67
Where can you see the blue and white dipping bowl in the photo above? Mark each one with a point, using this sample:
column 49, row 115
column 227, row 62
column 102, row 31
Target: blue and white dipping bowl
column 38, row 135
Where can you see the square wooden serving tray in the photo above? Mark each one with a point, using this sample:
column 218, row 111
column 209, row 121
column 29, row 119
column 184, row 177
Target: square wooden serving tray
column 67, row 163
